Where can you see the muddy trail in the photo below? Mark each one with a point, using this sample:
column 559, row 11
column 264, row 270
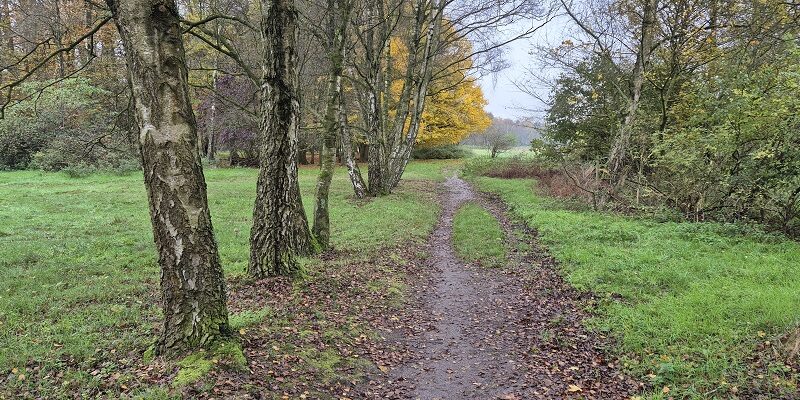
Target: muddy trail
column 502, row 333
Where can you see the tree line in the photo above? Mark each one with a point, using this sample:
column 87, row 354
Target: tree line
column 680, row 104
column 170, row 83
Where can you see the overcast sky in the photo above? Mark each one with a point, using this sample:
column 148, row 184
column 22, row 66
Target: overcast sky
column 504, row 99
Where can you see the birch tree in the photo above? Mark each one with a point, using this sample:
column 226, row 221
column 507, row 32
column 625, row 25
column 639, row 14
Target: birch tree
column 337, row 21
column 280, row 230
column 192, row 284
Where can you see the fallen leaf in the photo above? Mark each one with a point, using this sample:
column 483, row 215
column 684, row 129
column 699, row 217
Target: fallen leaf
column 574, row 388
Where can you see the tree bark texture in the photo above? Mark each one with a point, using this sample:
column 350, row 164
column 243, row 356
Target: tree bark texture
column 378, row 58
column 337, row 27
column 280, row 228
column 192, row 283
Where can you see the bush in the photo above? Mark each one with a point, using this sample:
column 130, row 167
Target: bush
column 70, row 124
column 447, row 152
column 64, row 152
column 125, row 166
column 575, row 182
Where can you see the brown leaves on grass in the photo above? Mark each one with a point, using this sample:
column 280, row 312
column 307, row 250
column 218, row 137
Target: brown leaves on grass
column 773, row 369
column 323, row 333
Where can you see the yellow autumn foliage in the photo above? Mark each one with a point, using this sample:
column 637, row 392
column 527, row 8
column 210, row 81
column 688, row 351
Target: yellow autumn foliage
column 455, row 105
column 453, row 114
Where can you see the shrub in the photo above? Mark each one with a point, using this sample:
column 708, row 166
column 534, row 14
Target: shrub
column 575, row 182
column 446, row 152
column 69, row 124
column 125, row 166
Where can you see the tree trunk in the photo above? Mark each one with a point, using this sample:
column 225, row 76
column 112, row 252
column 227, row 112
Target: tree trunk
column 619, row 149
column 6, row 37
column 280, row 229
column 58, row 37
column 192, row 283
column 88, row 48
column 378, row 57
column 337, row 28
column 302, row 157
column 363, row 152
column 405, row 140
column 390, row 147
column 211, row 145
column 376, row 155
column 359, row 187
column 377, row 164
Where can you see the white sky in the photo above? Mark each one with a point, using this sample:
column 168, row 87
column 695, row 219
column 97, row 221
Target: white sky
column 504, row 99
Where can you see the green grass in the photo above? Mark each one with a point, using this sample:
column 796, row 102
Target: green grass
column 78, row 263
column 697, row 297
column 477, row 236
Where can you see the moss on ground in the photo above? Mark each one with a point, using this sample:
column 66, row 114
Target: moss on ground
column 194, row 367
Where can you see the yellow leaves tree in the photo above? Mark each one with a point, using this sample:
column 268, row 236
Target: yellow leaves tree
column 455, row 105
column 452, row 114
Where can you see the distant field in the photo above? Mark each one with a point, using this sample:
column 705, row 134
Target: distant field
column 702, row 304
column 478, row 151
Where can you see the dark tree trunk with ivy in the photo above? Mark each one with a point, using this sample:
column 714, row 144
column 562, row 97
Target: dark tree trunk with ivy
column 280, row 228
column 192, row 283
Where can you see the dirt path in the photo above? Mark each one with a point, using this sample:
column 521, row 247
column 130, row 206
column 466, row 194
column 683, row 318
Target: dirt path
column 507, row 333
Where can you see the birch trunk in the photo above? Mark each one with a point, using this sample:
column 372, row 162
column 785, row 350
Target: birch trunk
column 356, row 179
column 192, row 284
column 337, row 27
column 405, row 141
column 280, row 228
column 378, row 57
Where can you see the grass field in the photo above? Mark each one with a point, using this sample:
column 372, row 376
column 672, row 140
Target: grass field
column 477, row 236
column 479, row 151
column 694, row 306
column 698, row 300
column 78, row 263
